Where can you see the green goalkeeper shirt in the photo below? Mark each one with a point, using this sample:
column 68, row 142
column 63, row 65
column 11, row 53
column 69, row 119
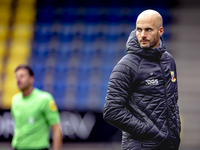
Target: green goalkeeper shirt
column 33, row 115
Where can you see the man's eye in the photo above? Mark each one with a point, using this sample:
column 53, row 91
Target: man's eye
column 148, row 29
column 139, row 30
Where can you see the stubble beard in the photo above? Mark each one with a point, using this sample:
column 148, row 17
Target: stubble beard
column 24, row 87
column 152, row 44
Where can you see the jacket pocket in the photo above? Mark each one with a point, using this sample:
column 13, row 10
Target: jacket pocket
column 133, row 144
column 155, row 142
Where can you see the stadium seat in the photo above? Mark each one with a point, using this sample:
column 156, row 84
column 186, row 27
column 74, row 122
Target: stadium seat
column 39, row 73
column 25, row 2
column 43, row 32
column 2, row 53
column 5, row 2
column 60, row 73
column 87, row 43
column 82, row 96
column 40, row 52
column 66, row 34
column 3, row 32
column 113, row 15
column 22, row 31
column 92, row 15
column 25, row 14
column 59, row 90
column 5, row 14
column 46, row 14
column 89, row 33
column 68, row 15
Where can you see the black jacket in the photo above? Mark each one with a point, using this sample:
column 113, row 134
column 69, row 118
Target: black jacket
column 142, row 98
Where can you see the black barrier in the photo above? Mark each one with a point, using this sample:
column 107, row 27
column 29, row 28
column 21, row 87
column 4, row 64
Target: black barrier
column 76, row 127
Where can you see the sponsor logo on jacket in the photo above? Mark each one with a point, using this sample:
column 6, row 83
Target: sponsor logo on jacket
column 152, row 82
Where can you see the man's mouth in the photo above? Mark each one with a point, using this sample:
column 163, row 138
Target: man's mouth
column 18, row 83
column 144, row 41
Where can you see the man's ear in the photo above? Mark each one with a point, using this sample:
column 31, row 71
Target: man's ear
column 32, row 80
column 161, row 31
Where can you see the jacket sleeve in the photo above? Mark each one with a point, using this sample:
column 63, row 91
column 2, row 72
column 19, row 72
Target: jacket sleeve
column 176, row 97
column 118, row 95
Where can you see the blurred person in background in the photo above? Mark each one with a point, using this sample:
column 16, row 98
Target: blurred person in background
column 143, row 92
column 34, row 111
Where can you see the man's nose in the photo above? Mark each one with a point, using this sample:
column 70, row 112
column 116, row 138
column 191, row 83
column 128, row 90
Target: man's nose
column 143, row 34
column 17, row 79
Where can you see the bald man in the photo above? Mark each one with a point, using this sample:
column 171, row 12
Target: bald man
column 142, row 92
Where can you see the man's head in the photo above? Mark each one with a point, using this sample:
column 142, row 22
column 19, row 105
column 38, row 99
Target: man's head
column 24, row 77
column 149, row 29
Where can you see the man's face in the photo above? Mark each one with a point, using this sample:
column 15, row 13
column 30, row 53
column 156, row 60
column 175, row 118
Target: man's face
column 23, row 79
column 148, row 33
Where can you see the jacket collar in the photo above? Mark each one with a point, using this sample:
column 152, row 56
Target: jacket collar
column 133, row 46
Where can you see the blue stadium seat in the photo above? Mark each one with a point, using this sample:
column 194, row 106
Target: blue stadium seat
column 92, row 15
column 103, row 93
column 47, row 2
column 64, row 51
column 87, row 48
column 114, row 15
column 39, row 72
column 66, row 34
column 82, row 96
column 43, row 32
column 68, row 14
column 40, row 52
column 60, row 73
column 89, row 33
column 106, row 71
column 84, row 70
column 45, row 14
column 38, row 84
column 112, row 33
column 91, row 40
column 59, row 90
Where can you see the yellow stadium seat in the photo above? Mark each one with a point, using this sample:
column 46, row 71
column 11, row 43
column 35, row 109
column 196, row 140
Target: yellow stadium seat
column 22, row 31
column 2, row 48
column 1, row 70
column 29, row 2
column 1, row 66
column 3, row 32
column 5, row 2
column 1, row 84
column 2, row 54
column 13, row 63
column 7, row 99
column 25, row 7
column 5, row 14
column 20, row 47
column 18, row 58
column 9, row 89
column 19, row 54
column 25, row 14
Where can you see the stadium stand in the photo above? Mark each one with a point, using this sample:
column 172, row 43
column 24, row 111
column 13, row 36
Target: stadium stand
column 75, row 45
column 20, row 17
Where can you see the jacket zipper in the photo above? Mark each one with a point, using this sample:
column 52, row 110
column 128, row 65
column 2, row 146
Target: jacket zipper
column 164, row 79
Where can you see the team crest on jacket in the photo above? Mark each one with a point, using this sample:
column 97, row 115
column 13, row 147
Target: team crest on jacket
column 173, row 77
